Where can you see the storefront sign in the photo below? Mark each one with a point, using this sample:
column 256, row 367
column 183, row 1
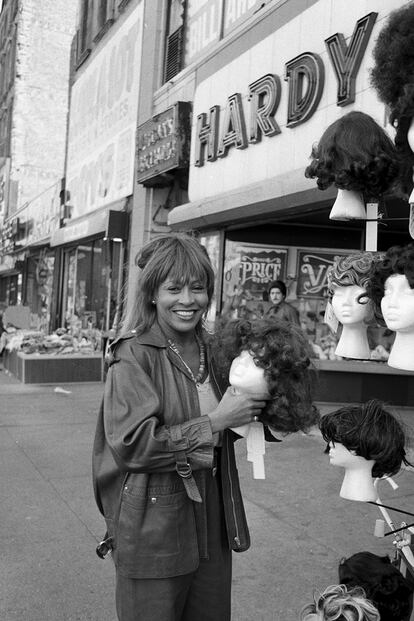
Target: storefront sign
column 41, row 217
column 312, row 272
column 102, row 121
column 244, row 113
column 252, row 268
column 163, row 143
column 305, row 75
column 4, row 184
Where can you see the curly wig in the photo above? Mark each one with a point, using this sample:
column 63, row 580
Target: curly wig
column 369, row 430
column 337, row 603
column 397, row 260
column 393, row 78
column 355, row 153
column 283, row 351
column 384, row 585
column 353, row 269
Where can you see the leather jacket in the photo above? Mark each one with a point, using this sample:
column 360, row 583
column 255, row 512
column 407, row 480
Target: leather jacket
column 151, row 453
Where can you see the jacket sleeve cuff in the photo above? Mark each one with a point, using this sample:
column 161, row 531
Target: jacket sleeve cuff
column 195, row 437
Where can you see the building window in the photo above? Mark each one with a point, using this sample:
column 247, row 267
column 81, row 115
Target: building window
column 84, row 31
column 103, row 18
column 174, row 48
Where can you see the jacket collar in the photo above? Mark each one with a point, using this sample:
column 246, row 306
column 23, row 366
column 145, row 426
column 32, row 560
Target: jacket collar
column 154, row 336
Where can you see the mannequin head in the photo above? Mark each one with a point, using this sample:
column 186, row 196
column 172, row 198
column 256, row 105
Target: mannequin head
column 368, row 431
column 246, row 375
column 354, row 153
column 280, row 354
column 347, row 282
column 382, row 582
column 398, row 260
column 339, row 603
column 392, row 78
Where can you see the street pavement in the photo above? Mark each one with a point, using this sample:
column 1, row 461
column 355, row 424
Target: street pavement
column 49, row 571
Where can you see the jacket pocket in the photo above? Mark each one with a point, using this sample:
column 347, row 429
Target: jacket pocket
column 156, row 532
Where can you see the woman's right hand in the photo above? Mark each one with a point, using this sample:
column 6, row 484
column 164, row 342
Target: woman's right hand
column 236, row 409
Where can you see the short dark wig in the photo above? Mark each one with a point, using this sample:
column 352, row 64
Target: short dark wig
column 383, row 584
column 355, row 153
column 277, row 284
column 393, row 78
column 283, row 351
column 371, row 431
column 397, row 260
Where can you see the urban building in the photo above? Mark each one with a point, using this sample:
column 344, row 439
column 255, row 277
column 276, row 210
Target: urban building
column 263, row 80
column 35, row 42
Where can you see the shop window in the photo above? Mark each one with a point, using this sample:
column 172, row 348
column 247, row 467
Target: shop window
column 174, row 47
column 84, row 31
column 103, row 18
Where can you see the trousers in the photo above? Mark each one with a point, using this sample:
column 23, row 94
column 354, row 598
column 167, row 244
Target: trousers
column 203, row 595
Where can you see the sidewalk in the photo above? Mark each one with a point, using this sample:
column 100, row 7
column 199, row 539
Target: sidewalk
column 300, row 528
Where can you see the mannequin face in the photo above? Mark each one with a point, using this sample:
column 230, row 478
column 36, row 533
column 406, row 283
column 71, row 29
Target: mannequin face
column 339, row 455
column 346, row 307
column 245, row 375
column 397, row 305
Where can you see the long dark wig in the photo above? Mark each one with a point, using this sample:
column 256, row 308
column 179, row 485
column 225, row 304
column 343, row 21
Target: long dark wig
column 178, row 256
column 371, row 431
column 355, row 153
column 282, row 350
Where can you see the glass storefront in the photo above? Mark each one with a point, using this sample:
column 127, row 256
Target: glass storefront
column 91, row 274
column 39, row 288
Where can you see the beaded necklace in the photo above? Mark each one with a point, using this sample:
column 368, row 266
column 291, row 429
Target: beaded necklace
column 201, row 369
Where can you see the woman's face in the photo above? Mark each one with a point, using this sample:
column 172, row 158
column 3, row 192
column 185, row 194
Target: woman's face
column 346, row 307
column 179, row 306
column 245, row 375
column 397, row 305
column 275, row 296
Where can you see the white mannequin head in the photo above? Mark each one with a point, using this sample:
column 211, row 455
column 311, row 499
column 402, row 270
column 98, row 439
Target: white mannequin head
column 245, row 375
column 346, row 305
column 397, row 305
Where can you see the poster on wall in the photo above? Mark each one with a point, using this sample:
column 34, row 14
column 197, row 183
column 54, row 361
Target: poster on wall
column 102, row 121
column 248, row 271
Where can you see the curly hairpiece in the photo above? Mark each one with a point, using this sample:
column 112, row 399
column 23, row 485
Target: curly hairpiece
column 353, row 269
column 337, row 603
column 371, row 431
column 282, row 350
column 383, row 584
column 354, row 153
column 393, row 78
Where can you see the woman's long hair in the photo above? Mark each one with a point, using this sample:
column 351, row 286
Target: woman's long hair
column 282, row 350
column 178, row 256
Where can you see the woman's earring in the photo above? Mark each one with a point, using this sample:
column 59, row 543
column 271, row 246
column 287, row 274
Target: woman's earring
column 153, row 302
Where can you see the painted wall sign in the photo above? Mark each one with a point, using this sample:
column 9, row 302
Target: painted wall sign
column 247, row 113
column 163, row 142
column 203, row 27
column 312, row 272
column 102, row 121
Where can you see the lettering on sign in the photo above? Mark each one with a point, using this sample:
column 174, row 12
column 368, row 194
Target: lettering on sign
column 242, row 124
column 312, row 273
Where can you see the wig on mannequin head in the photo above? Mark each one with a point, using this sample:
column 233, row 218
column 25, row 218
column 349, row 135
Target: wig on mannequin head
column 383, row 583
column 354, row 153
column 178, row 256
column 354, row 269
column 371, row 432
column 282, row 350
column 393, row 79
column 338, row 603
column 397, row 260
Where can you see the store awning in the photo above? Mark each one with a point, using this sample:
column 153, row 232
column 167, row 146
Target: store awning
column 277, row 196
column 88, row 226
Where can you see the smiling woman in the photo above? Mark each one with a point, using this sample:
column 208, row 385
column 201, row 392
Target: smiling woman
column 164, row 468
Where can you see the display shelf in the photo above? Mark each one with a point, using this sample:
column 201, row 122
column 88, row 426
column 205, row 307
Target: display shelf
column 54, row 369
